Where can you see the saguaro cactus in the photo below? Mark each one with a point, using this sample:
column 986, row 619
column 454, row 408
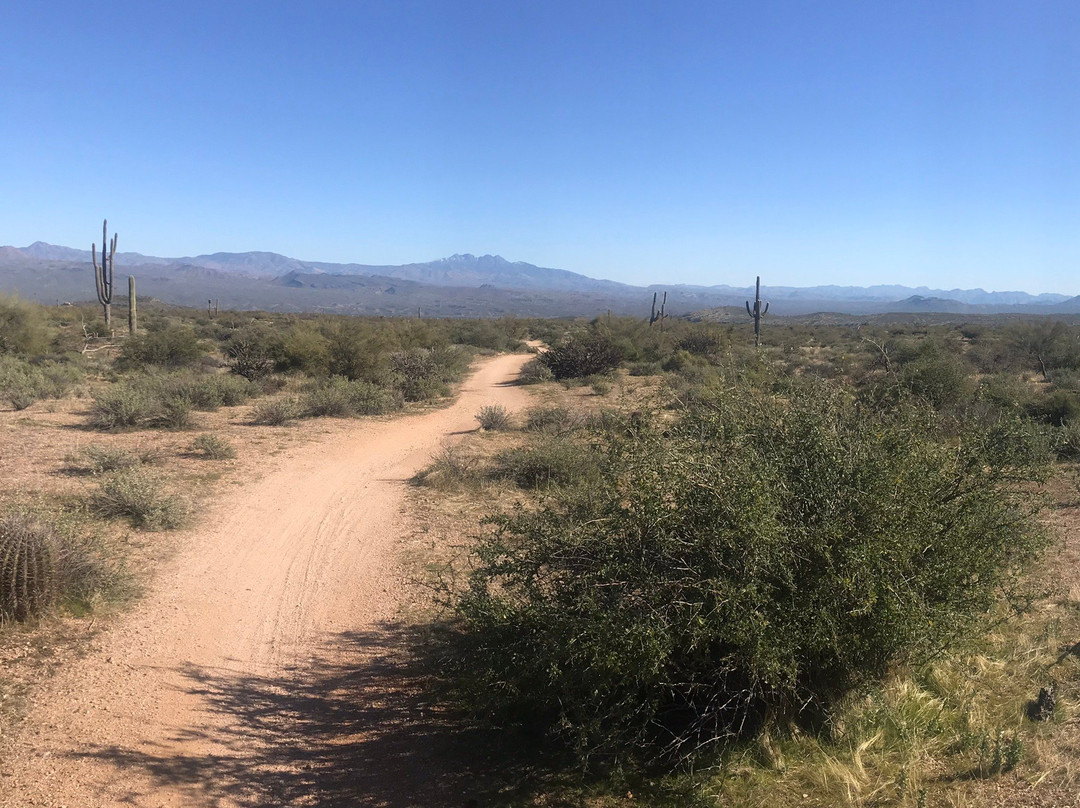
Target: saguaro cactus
column 658, row 315
column 757, row 312
column 103, row 275
column 133, row 314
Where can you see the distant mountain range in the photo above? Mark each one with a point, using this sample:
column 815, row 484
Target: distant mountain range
column 461, row 285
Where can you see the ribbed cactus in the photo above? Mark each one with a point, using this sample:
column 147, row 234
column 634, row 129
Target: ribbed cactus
column 133, row 312
column 658, row 315
column 29, row 567
column 757, row 312
column 103, row 275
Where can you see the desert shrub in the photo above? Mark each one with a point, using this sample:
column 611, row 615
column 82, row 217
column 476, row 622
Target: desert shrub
column 328, row 398
column 534, row 372
column 450, row 467
column 174, row 411
column 208, row 391
column 941, row 378
column 101, row 459
column 249, row 355
column 582, row 354
column 23, row 329
column 493, row 417
column 549, row 463
column 554, row 420
column 645, row 369
column 758, row 558
column 599, row 385
column 700, row 341
column 139, row 496
column 172, row 346
column 304, row 348
column 23, row 383
column 1056, row 407
column 124, row 404
column 425, row 374
column 212, row 447
column 342, row 398
column 276, row 412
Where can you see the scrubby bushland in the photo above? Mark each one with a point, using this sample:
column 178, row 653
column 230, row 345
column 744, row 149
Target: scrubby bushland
column 582, row 354
column 171, row 345
column 752, row 561
column 22, row 383
column 23, row 328
column 342, row 398
column 166, row 400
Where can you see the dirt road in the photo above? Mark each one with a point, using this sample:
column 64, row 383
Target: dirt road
column 263, row 667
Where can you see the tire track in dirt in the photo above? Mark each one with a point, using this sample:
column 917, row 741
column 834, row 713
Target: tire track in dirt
column 263, row 667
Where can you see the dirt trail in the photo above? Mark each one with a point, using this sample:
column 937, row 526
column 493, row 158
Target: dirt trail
column 261, row 668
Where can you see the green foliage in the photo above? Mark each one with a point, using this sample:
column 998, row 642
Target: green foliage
column 23, row 328
column 123, row 405
column 22, row 382
column 171, row 346
column 339, row 397
column 276, row 411
column 553, row 462
column 535, row 372
column 755, row 560
column 139, row 496
column 212, row 447
column 493, row 417
column 583, row 354
column 101, row 459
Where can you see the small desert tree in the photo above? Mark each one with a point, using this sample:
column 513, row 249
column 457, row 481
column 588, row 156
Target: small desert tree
column 755, row 561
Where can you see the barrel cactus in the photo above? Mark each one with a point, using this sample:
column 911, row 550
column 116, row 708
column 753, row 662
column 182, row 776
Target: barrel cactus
column 29, row 566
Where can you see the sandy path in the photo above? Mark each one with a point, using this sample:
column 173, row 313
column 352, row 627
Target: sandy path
column 261, row 669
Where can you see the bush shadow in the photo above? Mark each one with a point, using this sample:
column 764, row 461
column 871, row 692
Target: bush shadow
column 354, row 727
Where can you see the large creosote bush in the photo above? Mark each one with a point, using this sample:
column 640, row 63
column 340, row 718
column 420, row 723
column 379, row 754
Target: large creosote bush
column 582, row 354
column 755, row 559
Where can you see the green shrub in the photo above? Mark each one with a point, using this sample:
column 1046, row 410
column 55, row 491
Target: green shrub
column 551, row 462
column 249, row 356
column 275, row 412
column 212, row 447
column 534, row 372
column 758, row 558
column 342, row 398
column 123, row 405
column 450, row 467
column 493, row 417
column 139, row 496
column 22, row 327
column 23, row 383
column 100, row 459
column 175, row 412
column 172, row 346
column 582, row 355
column 554, row 420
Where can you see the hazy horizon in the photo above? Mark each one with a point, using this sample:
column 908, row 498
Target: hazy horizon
column 843, row 143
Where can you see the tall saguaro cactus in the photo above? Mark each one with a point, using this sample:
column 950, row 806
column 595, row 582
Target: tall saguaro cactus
column 133, row 312
column 658, row 315
column 757, row 312
column 103, row 275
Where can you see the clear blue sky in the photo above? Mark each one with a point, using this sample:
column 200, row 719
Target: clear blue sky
column 809, row 142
